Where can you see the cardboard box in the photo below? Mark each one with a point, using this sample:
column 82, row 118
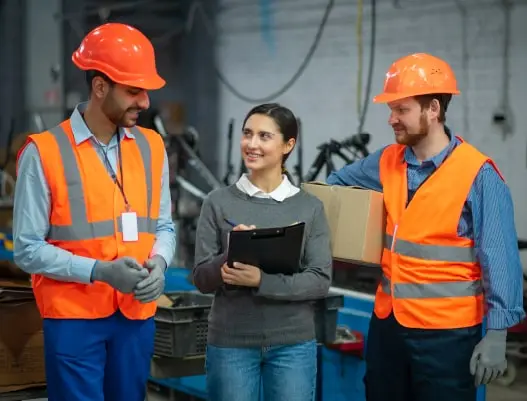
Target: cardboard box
column 21, row 340
column 11, row 274
column 357, row 221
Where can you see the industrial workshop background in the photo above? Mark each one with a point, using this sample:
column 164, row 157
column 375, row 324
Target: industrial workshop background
column 322, row 58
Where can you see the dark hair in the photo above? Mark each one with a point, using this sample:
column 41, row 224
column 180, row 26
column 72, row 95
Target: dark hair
column 443, row 98
column 283, row 118
column 90, row 74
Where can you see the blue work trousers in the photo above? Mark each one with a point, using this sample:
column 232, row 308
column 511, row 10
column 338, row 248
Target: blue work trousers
column 98, row 360
column 405, row 364
column 285, row 373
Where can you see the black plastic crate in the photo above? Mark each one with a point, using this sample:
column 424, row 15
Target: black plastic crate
column 181, row 330
column 326, row 316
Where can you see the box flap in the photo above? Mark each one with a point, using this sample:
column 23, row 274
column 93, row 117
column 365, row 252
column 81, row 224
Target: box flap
column 19, row 321
column 15, row 283
column 164, row 302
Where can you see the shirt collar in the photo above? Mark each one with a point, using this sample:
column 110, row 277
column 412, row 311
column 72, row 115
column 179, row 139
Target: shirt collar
column 279, row 194
column 81, row 132
column 437, row 160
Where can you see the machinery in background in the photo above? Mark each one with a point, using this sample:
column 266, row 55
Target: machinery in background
column 7, row 177
column 8, row 165
column 229, row 170
column 356, row 145
column 182, row 144
column 298, row 169
column 517, row 337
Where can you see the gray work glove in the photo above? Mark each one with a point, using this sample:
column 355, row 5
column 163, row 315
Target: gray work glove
column 123, row 274
column 488, row 360
column 152, row 287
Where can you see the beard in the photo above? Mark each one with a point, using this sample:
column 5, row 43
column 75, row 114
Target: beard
column 404, row 138
column 116, row 114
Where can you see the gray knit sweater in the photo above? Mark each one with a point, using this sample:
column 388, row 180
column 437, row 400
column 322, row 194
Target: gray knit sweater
column 280, row 311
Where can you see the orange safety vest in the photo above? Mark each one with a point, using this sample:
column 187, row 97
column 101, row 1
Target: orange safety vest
column 85, row 217
column 431, row 277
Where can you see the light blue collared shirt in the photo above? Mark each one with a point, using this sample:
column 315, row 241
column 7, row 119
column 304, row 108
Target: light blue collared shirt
column 487, row 218
column 32, row 207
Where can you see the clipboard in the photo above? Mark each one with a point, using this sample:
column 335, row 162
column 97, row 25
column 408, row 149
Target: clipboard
column 274, row 250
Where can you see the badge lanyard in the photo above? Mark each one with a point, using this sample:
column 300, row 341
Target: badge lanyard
column 120, row 184
column 128, row 218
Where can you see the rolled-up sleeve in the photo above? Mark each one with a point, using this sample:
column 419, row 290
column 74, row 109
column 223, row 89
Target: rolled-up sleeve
column 165, row 244
column 363, row 173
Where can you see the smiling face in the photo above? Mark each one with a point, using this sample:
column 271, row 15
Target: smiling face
column 410, row 122
column 120, row 103
column 123, row 104
column 262, row 145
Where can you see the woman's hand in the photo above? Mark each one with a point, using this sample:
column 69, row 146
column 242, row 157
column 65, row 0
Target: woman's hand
column 243, row 227
column 241, row 274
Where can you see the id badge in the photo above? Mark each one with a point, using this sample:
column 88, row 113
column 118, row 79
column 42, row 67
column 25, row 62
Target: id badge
column 130, row 232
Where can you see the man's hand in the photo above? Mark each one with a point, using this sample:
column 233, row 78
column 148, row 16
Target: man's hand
column 152, row 287
column 241, row 274
column 123, row 274
column 488, row 360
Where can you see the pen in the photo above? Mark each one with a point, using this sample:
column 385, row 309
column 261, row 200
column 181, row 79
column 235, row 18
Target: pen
column 230, row 223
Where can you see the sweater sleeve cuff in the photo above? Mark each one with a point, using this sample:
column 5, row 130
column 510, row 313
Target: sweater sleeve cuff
column 266, row 284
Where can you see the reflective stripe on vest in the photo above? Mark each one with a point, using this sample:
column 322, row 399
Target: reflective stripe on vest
column 436, row 290
column 430, row 252
column 433, row 253
column 82, row 229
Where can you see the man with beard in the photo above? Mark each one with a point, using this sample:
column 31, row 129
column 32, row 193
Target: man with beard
column 450, row 257
column 93, row 227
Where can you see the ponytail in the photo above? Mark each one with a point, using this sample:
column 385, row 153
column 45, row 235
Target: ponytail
column 286, row 173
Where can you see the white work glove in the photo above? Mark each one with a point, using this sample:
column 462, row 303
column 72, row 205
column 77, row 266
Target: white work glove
column 152, row 287
column 488, row 360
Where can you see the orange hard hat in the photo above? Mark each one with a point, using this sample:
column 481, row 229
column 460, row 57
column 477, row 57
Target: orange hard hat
column 121, row 52
column 417, row 74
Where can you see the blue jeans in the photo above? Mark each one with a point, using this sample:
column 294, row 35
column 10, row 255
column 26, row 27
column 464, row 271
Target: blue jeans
column 285, row 373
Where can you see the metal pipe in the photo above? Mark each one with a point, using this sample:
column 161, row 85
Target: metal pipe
column 507, row 126
column 464, row 66
column 96, row 9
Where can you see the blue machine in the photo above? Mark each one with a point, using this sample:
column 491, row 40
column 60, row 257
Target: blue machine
column 342, row 374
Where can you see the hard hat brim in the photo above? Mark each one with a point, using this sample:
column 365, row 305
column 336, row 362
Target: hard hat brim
column 392, row 97
column 151, row 82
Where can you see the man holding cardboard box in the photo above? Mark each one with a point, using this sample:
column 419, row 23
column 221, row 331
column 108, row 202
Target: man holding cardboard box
column 450, row 256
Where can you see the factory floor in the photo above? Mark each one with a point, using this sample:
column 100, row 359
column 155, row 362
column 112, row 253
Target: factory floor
column 515, row 392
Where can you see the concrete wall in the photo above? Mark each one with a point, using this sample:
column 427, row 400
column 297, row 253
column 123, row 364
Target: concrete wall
column 325, row 96
column 43, row 53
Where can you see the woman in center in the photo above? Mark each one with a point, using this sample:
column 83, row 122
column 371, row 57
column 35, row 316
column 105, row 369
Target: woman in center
column 262, row 332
